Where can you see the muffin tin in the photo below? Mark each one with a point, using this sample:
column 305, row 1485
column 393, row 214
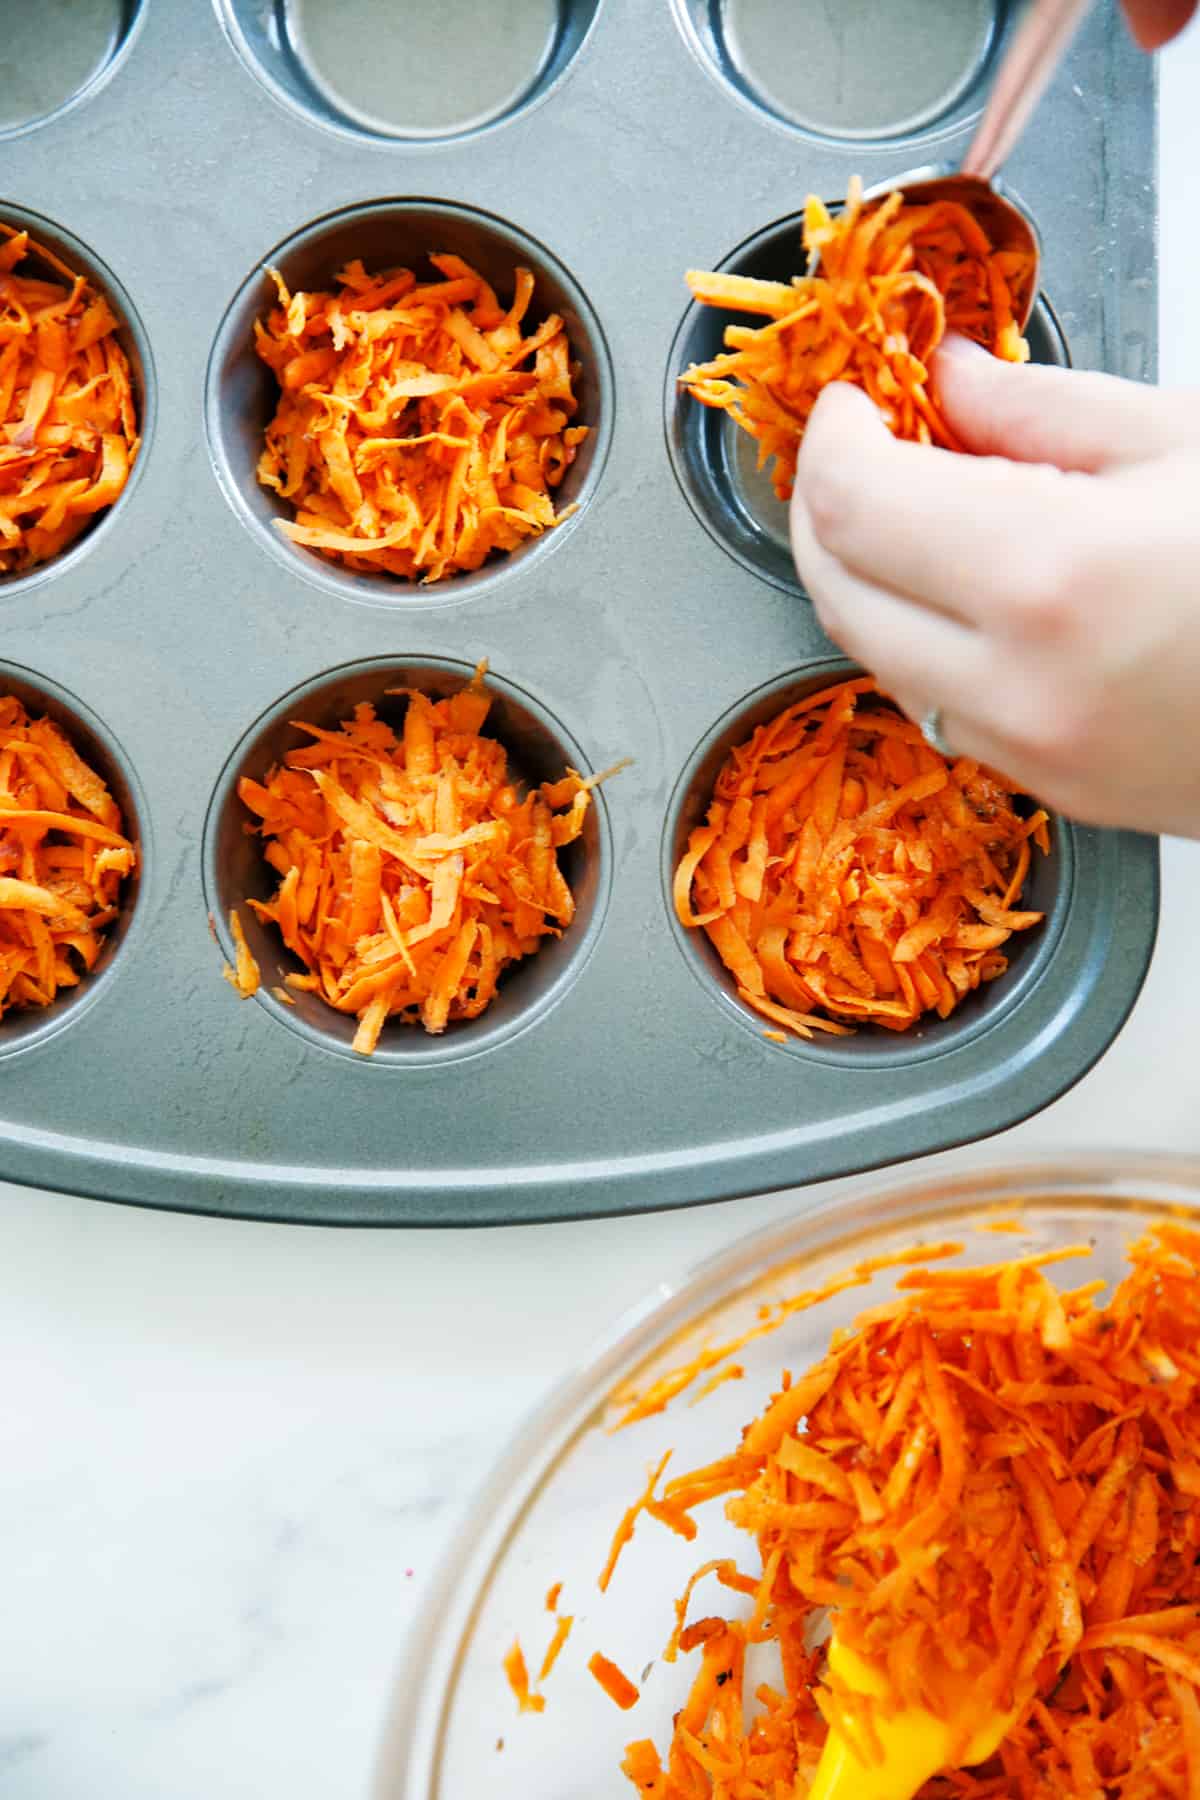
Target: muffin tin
column 610, row 145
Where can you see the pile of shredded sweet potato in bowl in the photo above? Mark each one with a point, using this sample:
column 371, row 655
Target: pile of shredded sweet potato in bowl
column 424, row 420
column 68, row 412
column 65, row 861
column 846, row 875
column 990, row 1462
column 409, row 866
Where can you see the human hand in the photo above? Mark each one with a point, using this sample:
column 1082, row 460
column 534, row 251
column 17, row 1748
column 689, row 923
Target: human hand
column 1155, row 22
column 1044, row 592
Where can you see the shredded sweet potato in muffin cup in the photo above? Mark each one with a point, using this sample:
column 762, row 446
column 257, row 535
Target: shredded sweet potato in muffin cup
column 68, row 417
column 413, row 868
column 892, row 280
column 846, row 874
column 64, row 856
column 422, row 426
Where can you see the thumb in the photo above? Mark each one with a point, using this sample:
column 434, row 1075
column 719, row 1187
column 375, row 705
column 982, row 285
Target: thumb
column 1071, row 418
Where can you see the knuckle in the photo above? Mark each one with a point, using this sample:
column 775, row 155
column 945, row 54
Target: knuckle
column 1043, row 593
column 829, row 496
column 1058, row 729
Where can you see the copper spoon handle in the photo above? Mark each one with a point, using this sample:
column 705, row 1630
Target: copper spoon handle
column 1036, row 50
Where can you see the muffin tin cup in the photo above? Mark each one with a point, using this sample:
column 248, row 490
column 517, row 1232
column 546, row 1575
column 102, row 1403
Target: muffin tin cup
column 28, row 1028
column 855, row 74
column 90, row 41
column 715, row 460
column 242, row 392
column 451, row 71
column 235, row 872
column 131, row 336
column 1048, row 889
column 624, row 1078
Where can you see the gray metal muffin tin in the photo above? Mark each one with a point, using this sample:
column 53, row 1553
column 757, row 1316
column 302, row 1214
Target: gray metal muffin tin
column 641, row 139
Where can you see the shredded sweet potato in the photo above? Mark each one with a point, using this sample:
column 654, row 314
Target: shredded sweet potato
column 617, row 1685
column 419, row 428
column 893, row 279
column 412, row 871
column 68, row 420
column 562, row 1631
column 848, row 874
column 244, row 975
column 987, row 1478
column 63, row 858
column 517, row 1675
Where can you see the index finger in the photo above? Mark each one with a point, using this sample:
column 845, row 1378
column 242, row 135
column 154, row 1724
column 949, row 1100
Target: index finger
column 948, row 531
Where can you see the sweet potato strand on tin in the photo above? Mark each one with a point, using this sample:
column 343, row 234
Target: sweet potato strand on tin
column 893, row 279
column 68, row 425
column 420, row 426
column 848, row 874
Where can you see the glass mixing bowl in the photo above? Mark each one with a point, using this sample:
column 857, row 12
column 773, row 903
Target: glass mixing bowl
column 548, row 1511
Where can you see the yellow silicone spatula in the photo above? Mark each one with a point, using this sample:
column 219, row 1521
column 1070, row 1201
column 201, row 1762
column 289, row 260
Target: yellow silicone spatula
column 915, row 1743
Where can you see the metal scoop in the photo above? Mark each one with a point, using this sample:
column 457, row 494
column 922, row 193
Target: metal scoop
column 1038, row 47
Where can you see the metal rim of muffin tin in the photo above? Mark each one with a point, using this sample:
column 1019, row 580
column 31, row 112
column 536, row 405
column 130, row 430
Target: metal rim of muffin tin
column 181, row 619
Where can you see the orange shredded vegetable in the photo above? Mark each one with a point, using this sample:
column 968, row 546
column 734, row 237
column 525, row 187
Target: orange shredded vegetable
column 420, row 426
column 245, row 977
column 893, row 279
column 412, row 871
column 63, row 858
column 620, row 1690
column 68, row 423
column 517, row 1675
column 562, row 1631
column 990, row 1475
column 848, row 874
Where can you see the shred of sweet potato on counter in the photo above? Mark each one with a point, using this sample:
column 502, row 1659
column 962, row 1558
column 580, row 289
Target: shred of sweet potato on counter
column 412, row 870
column 985, row 1471
column 63, row 857
column 848, row 874
column 68, row 421
column 893, row 279
column 420, row 428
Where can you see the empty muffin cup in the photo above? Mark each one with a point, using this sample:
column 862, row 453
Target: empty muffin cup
column 235, row 871
column 408, row 70
column 58, row 52
column 854, row 71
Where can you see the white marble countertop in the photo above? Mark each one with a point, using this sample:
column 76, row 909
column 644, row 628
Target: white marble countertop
column 232, row 1453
